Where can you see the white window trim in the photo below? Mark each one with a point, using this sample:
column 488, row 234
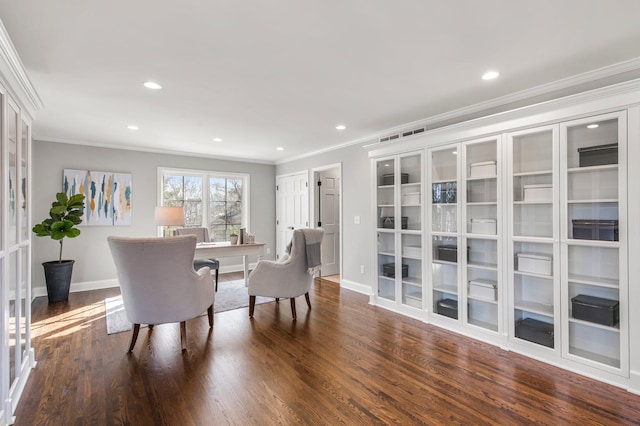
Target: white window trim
column 246, row 193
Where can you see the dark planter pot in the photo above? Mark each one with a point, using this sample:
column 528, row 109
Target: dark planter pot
column 58, row 278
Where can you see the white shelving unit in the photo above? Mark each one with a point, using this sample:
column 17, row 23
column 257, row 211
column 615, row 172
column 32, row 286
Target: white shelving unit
column 399, row 262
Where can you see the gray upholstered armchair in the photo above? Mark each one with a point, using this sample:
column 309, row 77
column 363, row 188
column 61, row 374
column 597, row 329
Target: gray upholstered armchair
column 290, row 276
column 158, row 282
column 202, row 234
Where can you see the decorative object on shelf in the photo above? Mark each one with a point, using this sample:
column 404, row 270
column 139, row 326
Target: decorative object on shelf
column 599, row 155
column 483, row 226
column 445, row 192
column 483, row 289
column 64, row 215
column 595, row 229
column 108, row 195
column 595, row 309
column 389, row 270
column 168, row 216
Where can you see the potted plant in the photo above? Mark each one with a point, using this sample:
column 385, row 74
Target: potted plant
column 233, row 236
column 64, row 215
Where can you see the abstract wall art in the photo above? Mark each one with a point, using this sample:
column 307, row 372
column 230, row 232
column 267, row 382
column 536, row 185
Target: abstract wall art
column 107, row 196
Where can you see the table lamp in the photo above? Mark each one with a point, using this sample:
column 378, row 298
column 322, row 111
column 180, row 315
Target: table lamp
column 167, row 217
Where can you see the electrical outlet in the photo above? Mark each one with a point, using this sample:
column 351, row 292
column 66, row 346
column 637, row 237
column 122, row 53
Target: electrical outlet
column 362, row 269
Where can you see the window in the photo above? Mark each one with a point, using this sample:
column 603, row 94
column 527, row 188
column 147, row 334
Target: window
column 215, row 200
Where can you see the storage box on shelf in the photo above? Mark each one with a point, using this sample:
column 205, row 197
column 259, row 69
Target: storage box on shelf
column 389, row 222
column 483, row 289
column 534, row 263
column 448, row 253
column 535, row 331
column 389, row 270
column 598, row 155
column 389, row 178
column 483, row 226
column 539, row 193
column 595, row 309
column 483, row 169
column 594, row 229
column 448, row 308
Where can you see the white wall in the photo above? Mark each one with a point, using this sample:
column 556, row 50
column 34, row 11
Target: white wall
column 94, row 266
column 357, row 240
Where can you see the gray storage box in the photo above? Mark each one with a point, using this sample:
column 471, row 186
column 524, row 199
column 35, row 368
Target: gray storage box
column 448, row 253
column 448, row 308
column 389, row 178
column 595, row 309
column 390, row 222
column 598, row 155
column 389, row 270
column 588, row 229
column 535, row 331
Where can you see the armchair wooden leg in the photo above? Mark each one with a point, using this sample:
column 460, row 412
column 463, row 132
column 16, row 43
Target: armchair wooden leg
column 134, row 336
column 306, row 297
column 252, row 305
column 150, row 327
column 210, row 315
column 277, row 300
column 216, row 279
column 293, row 307
column 183, row 335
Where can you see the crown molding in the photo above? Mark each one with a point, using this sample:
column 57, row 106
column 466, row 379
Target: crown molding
column 12, row 69
column 152, row 150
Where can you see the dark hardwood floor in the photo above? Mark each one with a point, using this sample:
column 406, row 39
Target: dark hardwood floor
column 343, row 362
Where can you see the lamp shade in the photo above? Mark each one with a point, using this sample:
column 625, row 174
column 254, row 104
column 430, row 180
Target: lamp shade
column 169, row 216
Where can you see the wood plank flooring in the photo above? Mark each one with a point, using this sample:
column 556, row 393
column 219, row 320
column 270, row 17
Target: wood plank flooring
column 342, row 362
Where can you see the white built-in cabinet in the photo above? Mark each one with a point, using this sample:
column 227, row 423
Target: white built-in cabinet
column 16, row 354
column 399, row 261
column 519, row 228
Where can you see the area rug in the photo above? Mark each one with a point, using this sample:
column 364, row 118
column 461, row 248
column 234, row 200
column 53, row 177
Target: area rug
column 230, row 295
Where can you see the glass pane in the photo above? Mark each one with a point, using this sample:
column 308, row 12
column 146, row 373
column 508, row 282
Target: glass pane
column 386, row 266
column 193, row 188
column 217, row 189
column 193, row 213
column 12, row 316
column 172, row 189
column 24, row 265
column 386, row 193
column 13, row 184
column 234, row 190
column 218, row 213
column 24, row 157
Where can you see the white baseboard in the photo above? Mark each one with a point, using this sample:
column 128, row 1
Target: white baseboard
column 97, row 285
column 358, row 287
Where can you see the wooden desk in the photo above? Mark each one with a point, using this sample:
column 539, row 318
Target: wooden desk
column 213, row 250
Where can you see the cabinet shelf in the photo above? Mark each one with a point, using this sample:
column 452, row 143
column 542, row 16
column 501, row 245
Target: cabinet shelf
column 453, row 179
column 473, row 236
column 386, row 205
column 485, row 266
column 531, row 274
column 482, row 203
column 612, row 362
column 594, row 281
column 444, row 234
column 534, row 307
column 590, row 169
column 386, row 230
column 483, row 300
column 386, row 253
column 543, row 240
column 482, row 178
column 412, row 205
column 444, row 262
column 593, row 201
column 483, row 324
column 534, row 173
column 445, row 288
column 385, row 186
column 412, row 281
column 404, row 256
column 532, row 203
column 593, row 243
column 411, row 184
column 615, row 329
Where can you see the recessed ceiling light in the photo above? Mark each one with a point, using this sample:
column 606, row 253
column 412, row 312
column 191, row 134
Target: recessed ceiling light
column 217, row 139
column 341, row 127
column 593, row 126
column 152, row 85
column 280, row 148
column 132, row 127
column 490, row 75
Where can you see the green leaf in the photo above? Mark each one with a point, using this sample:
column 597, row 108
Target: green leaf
column 58, row 210
column 73, row 232
column 58, row 235
column 62, row 198
column 58, row 226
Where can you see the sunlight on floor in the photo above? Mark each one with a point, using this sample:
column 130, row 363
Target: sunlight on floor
column 68, row 322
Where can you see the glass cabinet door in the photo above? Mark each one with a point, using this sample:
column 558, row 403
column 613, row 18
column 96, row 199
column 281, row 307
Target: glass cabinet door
column 444, row 213
column 482, row 219
column 386, row 217
column 411, row 229
column 533, row 234
column 593, row 165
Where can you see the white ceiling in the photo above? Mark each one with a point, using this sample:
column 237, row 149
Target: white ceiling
column 263, row 74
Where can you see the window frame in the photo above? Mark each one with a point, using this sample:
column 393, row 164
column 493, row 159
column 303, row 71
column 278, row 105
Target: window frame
column 206, row 175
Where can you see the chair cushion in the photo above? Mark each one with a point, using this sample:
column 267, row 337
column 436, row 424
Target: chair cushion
column 201, row 263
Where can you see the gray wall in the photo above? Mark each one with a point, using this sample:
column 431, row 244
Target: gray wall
column 357, row 240
column 94, row 264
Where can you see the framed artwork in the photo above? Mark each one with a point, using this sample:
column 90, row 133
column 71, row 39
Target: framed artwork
column 107, row 196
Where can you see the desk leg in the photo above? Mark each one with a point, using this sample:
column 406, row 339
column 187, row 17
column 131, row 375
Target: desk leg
column 245, row 268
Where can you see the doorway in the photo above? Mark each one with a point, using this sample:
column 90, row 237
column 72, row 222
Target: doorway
column 327, row 214
column 292, row 207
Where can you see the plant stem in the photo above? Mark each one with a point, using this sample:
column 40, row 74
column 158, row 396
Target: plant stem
column 60, row 256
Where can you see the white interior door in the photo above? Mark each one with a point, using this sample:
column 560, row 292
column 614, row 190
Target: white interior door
column 328, row 219
column 292, row 207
